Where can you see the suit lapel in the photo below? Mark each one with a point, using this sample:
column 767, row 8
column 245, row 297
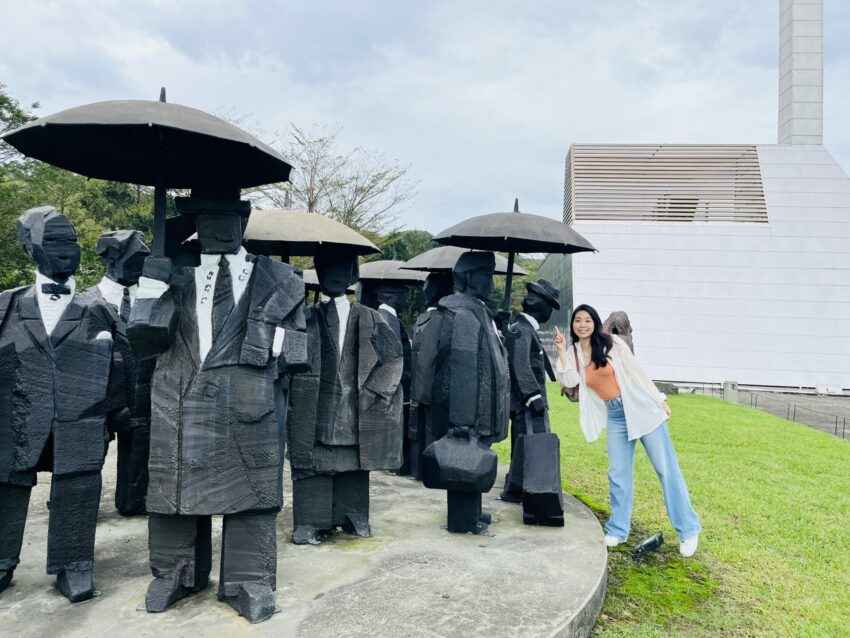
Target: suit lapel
column 31, row 318
column 69, row 320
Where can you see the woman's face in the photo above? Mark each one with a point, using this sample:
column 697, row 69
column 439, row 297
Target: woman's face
column 583, row 324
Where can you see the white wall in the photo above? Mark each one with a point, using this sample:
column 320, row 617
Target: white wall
column 761, row 304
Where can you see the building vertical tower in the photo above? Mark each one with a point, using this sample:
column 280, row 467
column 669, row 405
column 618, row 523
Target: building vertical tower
column 801, row 71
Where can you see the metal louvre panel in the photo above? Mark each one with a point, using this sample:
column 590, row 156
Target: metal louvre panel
column 663, row 182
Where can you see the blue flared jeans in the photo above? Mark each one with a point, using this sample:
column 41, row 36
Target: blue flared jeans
column 621, row 456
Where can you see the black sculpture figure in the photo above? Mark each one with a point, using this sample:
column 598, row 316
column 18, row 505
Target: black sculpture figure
column 124, row 253
column 392, row 300
column 469, row 395
column 346, row 414
column 534, row 478
column 55, row 359
column 223, row 332
column 435, row 287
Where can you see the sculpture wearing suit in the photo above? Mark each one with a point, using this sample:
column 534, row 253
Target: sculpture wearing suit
column 534, row 464
column 436, row 286
column 124, row 253
column 223, row 332
column 392, row 300
column 469, row 395
column 346, row 414
column 55, row 360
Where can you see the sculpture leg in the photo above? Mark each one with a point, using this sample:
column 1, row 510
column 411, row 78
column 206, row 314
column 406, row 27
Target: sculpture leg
column 512, row 491
column 406, row 445
column 180, row 558
column 312, row 506
column 14, row 502
column 74, row 500
column 132, row 481
column 417, row 442
column 249, row 564
column 464, row 513
column 351, row 502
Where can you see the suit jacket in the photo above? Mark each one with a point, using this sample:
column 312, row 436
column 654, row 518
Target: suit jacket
column 471, row 382
column 53, row 385
column 217, row 436
column 528, row 367
column 130, row 383
column 377, row 353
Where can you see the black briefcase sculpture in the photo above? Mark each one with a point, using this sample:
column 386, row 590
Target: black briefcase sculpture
column 459, row 462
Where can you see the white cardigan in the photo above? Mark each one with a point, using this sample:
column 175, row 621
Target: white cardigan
column 641, row 399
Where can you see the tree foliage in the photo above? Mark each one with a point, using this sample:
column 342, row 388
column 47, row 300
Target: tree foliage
column 360, row 188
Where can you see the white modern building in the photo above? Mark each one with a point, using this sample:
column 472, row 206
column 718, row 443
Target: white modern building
column 732, row 261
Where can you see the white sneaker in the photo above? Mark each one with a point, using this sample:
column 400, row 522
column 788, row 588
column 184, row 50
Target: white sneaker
column 688, row 546
column 613, row 541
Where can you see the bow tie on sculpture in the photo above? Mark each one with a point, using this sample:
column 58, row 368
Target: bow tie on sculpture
column 55, row 290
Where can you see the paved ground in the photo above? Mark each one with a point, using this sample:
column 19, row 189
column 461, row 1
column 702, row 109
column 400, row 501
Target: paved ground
column 411, row 579
column 830, row 414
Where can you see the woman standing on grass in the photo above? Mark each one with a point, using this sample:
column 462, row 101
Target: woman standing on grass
column 614, row 391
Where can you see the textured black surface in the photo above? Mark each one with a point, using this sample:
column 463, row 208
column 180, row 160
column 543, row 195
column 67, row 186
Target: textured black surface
column 123, row 252
column 218, row 428
column 345, row 416
column 535, row 473
column 469, row 386
column 53, row 406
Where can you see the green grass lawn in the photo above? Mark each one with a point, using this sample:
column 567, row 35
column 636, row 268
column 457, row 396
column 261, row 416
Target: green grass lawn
column 774, row 499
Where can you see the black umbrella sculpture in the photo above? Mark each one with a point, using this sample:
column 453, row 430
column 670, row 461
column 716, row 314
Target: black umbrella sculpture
column 514, row 233
column 442, row 259
column 151, row 143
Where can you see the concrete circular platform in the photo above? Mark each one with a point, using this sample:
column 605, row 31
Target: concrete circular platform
column 411, row 579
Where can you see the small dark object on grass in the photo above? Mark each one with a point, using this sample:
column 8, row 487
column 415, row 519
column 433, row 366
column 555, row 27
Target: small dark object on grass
column 648, row 546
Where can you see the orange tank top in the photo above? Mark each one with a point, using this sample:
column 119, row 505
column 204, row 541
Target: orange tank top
column 603, row 381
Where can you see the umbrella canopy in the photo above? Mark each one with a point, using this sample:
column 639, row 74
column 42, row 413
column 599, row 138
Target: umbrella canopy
column 443, row 259
column 154, row 143
column 514, row 233
column 390, row 271
column 146, row 142
column 289, row 233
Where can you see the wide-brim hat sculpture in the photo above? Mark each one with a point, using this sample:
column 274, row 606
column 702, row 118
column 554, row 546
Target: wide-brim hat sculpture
column 514, row 233
column 151, row 143
column 442, row 259
column 545, row 289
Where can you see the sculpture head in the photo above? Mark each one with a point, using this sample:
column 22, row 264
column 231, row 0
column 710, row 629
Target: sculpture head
column 124, row 253
column 392, row 294
column 51, row 241
column 337, row 270
column 436, row 286
column 473, row 274
column 220, row 218
column 541, row 300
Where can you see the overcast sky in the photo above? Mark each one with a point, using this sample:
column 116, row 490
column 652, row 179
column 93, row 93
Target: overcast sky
column 481, row 99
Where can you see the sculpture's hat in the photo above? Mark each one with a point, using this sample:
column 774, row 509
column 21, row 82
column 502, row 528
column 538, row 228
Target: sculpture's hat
column 546, row 290
column 474, row 260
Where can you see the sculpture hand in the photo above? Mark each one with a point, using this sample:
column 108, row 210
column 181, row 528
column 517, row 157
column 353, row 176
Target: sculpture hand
column 538, row 406
column 501, row 318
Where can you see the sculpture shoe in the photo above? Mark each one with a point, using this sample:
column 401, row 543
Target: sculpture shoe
column 75, row 585
column 255, row 601
column 306, row 535
column 5, row 578
column 164, row 591
column 357, row 524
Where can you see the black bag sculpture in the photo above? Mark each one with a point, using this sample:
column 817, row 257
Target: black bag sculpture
column 459, row 462
column 537, row 463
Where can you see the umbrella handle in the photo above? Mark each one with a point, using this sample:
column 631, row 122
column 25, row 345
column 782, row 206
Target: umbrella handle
column 508, row 282
column 159, row 220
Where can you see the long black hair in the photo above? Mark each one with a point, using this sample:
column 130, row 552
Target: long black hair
column 600, row 342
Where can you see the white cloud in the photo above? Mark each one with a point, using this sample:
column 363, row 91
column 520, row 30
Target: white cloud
column 482, row 99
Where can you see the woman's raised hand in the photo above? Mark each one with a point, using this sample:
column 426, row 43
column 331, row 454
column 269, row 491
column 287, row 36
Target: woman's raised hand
column 560, row 340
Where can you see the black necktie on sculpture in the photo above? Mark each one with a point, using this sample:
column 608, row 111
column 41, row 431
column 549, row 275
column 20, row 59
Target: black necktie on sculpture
column 55, row 289
column 222, row 297
column 124, row 311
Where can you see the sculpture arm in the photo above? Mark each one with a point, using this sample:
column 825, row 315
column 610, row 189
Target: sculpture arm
column 464, row 361
column 522, row 376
